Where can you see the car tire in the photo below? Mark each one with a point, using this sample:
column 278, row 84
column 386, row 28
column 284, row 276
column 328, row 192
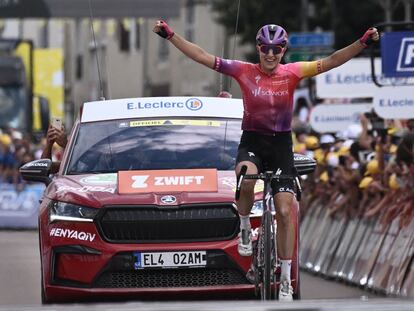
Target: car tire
column 296, row 294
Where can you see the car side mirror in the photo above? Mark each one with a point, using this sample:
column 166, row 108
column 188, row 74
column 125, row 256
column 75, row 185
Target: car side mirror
column 304, row 165
column 37, row 170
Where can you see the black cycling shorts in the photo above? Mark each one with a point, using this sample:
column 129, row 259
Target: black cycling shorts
column 269, row 153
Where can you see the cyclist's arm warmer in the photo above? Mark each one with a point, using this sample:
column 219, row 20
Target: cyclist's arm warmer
column 309, row 69
column 229, row 67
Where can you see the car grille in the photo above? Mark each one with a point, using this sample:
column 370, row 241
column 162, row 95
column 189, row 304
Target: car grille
column 149, row 224
column 170, row 278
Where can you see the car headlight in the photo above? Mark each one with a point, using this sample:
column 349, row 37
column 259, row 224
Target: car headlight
column 62, row 211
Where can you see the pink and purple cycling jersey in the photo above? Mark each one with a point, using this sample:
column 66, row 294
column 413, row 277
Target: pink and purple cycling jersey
column 267, row 99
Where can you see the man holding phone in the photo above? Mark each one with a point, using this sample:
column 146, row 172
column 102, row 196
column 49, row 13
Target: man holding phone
column 55, row 134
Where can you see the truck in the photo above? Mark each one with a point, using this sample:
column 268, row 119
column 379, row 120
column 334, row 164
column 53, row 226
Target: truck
column 31, row 86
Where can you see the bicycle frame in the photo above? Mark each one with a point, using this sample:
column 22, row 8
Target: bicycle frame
column 265, row 252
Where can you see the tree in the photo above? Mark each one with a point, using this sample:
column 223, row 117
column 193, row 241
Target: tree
column 254, row 14
column 347, row 19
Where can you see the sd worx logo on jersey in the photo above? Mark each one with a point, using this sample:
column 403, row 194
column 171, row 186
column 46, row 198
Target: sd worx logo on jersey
column 268, row 92
column 192, row 104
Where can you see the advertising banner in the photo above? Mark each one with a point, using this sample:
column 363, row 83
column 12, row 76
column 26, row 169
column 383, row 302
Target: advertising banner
column 397, row 53
column 352, row 80
column 192, row 180
column 394, row 102
column 20, row 209
column 330, row 118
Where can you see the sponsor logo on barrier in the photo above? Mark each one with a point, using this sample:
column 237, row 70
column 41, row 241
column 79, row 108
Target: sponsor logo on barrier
column 354, row 74
column 394, row 102
column 19, row 204
column 336, row 117
column 203, row 180
column 72, row 234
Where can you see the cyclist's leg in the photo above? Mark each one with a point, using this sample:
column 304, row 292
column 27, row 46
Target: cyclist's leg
column 246, row 156
column 282, row 160
column 285, row 228
column 245, row 202
column 285, row 242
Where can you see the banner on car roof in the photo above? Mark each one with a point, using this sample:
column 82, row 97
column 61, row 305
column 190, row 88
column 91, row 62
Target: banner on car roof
column 148, row 107
column 188, row 180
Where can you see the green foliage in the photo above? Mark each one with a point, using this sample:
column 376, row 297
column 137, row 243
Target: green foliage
column 348, row 19
column 255, row 14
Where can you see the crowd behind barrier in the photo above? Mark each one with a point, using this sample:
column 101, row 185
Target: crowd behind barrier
column 357, row 211
column 19, row 200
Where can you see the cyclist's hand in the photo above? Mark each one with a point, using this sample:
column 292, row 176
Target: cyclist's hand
column 369, row 37
column 162, row 29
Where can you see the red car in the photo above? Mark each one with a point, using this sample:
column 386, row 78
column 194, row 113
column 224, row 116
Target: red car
column 143, row 204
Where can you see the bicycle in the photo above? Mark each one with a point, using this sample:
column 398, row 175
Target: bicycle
column 265, row 252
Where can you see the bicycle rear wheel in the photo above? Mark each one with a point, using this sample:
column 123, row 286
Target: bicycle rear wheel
column 267, row 254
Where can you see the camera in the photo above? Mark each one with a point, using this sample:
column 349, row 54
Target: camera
column 378, row 125
column 377, row 122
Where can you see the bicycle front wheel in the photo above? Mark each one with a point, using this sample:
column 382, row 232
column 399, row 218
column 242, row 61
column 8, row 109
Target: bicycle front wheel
column 267, row 254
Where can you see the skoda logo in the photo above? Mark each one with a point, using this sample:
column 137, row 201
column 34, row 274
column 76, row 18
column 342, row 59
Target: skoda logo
column 168, row 199
column 194, row 104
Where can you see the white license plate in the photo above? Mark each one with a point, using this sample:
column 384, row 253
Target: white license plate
column 170, row 259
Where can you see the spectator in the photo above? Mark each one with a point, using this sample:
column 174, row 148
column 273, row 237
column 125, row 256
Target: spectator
column 58, row 136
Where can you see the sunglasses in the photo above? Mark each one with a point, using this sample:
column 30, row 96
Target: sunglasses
column 277, row 49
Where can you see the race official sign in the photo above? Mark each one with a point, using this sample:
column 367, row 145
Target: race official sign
column 397, row 54
column 167, row 181
column 352, row 80
column 331, row 118
column 395, row 102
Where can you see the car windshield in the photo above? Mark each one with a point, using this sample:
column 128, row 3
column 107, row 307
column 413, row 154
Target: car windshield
column 150, row 144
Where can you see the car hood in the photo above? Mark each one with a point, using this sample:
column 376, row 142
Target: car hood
column 99, row 190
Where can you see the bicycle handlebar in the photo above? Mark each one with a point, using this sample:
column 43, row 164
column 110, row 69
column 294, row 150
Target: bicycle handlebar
column 266, row 176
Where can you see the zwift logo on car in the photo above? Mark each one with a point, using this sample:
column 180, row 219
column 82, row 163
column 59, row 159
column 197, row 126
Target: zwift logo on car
column 193, row 104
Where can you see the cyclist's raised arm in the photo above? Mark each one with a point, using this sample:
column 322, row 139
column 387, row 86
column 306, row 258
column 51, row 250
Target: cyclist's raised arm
column 188, row 48
column 343, row 55
column 310, row 69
